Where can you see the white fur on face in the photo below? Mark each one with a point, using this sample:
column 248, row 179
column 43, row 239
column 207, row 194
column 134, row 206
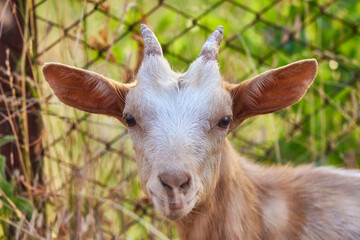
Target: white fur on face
column 176, row 131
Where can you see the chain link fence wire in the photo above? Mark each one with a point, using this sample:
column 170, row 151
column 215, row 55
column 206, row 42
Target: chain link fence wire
column 92, row 191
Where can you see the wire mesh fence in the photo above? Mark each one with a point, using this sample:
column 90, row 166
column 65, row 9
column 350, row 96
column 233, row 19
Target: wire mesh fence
column 90, row 174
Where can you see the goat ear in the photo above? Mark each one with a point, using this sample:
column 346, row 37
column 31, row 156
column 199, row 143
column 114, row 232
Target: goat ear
column 271, row 91
column 86, row 90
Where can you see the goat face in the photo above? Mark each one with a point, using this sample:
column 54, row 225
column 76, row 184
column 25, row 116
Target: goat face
column 181, row 122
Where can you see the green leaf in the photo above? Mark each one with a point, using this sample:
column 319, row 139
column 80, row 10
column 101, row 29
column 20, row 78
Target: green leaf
column 5, row 139
column 7, row 188
column 2, row 166
column 23, row 205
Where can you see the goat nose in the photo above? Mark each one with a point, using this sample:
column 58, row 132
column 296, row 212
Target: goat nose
column 175, row 180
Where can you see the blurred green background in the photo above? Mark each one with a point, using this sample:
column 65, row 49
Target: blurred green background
column 90, row 177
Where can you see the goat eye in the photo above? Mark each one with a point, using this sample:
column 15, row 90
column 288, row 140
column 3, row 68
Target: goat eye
column 224, row 122
column 130, row 120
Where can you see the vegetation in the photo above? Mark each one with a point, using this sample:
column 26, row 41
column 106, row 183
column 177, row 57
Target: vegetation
column 91, row 190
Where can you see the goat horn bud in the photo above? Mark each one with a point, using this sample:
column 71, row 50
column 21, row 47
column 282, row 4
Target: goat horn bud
column 151, row 44
column 210, row 50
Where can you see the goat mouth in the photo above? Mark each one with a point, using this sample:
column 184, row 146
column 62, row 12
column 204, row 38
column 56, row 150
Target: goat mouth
column 174, row 210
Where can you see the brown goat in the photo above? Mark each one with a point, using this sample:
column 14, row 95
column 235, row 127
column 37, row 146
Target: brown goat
column 178, row 124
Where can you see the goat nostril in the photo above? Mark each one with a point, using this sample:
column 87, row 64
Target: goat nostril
column 165, row 185
column 185, row 185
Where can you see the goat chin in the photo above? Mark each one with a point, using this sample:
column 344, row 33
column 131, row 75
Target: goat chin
column 174, row 210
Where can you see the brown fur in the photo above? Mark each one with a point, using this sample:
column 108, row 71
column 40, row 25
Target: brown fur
column 233, row 192
column 245, row 191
